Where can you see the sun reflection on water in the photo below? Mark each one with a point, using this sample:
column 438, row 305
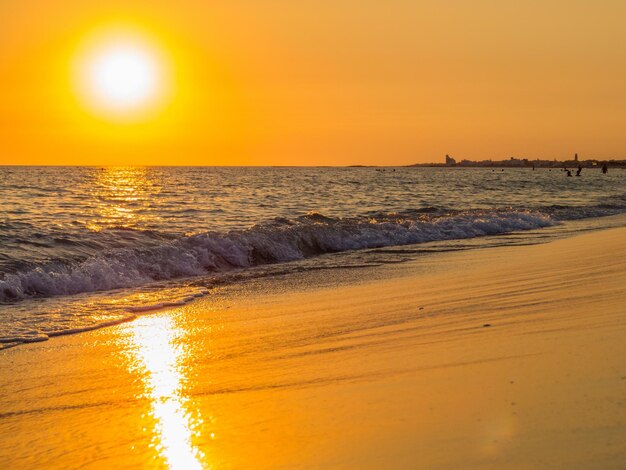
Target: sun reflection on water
column 122, row 197
column 158, row 355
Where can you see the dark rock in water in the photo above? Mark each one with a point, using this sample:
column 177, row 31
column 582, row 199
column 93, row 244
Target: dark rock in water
column 486, row 325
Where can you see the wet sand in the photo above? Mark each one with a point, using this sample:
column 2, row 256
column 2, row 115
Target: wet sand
column 506, row 357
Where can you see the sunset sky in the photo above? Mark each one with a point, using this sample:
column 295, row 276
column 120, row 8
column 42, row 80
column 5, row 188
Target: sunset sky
column 281, row 82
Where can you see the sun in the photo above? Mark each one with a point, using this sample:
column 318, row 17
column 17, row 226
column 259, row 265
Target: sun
column 124, row 77
column 121, row 76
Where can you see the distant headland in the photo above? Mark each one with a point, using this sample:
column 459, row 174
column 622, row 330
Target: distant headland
column 514, row 162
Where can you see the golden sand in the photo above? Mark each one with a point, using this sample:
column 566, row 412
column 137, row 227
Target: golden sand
column 506, row 357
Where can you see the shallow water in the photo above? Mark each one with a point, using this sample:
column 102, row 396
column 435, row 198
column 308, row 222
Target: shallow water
column 86, row 247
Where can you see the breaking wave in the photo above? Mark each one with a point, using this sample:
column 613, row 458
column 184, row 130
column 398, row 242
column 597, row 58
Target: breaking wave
column 279, row 240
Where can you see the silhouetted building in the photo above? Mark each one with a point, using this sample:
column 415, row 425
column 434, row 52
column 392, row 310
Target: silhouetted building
column 450, row 161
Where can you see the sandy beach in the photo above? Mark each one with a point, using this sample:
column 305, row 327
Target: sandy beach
column 509, row 357
column 312, row 235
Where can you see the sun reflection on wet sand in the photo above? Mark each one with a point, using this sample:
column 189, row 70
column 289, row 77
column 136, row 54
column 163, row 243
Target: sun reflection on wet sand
column 158, row 356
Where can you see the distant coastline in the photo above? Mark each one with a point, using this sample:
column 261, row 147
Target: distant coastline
column 514, row 162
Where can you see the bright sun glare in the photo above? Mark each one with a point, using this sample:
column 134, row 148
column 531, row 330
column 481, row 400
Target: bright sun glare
column 121, row 76
column 124, row 76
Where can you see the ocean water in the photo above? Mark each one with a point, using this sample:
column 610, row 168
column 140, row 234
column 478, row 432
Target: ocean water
column 87, row 247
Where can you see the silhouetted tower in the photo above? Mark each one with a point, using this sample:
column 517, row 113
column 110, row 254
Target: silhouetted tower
column 575, row 157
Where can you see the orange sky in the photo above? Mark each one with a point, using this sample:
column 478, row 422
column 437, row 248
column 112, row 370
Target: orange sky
column 281, row 82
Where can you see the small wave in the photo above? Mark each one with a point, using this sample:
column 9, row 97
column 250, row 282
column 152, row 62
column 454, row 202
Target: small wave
column 162, row 305
column 28, row 330
column 561, row 212
column 279, row 241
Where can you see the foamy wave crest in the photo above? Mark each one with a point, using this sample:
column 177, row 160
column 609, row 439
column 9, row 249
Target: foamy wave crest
column 278, row 241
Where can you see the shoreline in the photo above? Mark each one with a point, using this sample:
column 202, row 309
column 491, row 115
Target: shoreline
column 507, row 356
column 181, row 291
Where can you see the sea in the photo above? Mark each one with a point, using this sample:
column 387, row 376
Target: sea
column 89, row 247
